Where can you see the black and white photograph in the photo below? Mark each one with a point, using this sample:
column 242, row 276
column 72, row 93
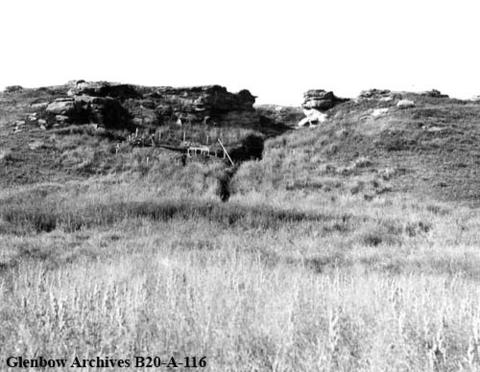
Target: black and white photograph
column 240, row 186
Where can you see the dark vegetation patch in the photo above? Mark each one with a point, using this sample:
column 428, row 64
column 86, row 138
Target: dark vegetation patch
column 251, row 148
column 194, row 244
column 391, row 232
column 451, row 266
column 47, row 216
column 224, row 183
column 438, row 210
column 419, row 227
column 322, row 263
column 385, row 262
column 377, row 236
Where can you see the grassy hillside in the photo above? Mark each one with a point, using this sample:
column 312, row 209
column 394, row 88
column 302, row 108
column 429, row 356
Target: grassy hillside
column 30, row 154
column 339, row 250
column 431, row 149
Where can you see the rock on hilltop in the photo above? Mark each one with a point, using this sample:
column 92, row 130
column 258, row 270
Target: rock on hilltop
column 319, row 99
column 124, row 106
column 316, row 102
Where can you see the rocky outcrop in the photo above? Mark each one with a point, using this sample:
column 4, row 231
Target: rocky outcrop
column 83, row 109
column 375, row 94
column 320, row 100
column 434, row 93
column 316, row 102
column 198, row 104
column 121, row 105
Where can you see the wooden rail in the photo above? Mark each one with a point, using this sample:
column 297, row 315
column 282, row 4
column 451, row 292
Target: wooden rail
column 135, row 140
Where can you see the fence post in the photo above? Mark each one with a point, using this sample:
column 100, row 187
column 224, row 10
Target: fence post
column 225, row 152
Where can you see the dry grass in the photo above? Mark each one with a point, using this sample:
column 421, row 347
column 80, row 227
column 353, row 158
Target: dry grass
column 242, row 314
column 280, row 282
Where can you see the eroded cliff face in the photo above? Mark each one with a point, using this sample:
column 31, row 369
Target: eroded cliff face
column 125, row 106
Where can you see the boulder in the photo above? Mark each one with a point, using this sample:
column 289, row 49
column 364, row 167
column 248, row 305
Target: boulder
column 61, row 106
column 405, row 103
column 316, row 102
column 320, row 100
column 312, row 117
column 434, row 93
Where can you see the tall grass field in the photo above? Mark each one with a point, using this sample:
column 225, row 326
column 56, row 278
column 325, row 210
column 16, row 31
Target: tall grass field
column 268, row 281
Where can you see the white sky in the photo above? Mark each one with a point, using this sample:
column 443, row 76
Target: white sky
column 276, row 49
